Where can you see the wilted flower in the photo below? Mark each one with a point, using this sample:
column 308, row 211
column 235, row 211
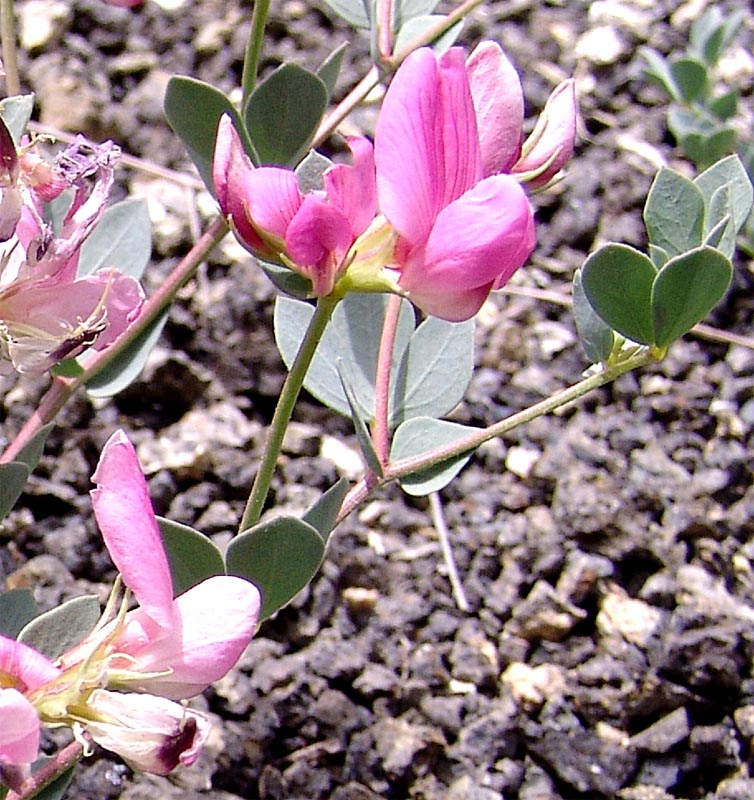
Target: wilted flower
column 47, row 313
column 149, row 733
column 312, row 233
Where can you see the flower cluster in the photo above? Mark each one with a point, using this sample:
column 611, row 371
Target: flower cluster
column 443, row 183
column 47, row 312
column 118, row 686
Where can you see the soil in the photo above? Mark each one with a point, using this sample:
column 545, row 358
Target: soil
column 606, row 553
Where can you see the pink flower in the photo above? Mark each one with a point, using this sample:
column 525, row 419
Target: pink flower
column 460, row 234
column 448, row 133
column 499, row 107
column 149, row 733
column 174, row 648
column 47, row 313
column 22, row 670
column 312, row 233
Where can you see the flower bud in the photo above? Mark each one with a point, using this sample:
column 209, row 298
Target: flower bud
column 551, row 143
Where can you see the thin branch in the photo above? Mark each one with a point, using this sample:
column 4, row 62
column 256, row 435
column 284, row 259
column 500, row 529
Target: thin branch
column 438, row 520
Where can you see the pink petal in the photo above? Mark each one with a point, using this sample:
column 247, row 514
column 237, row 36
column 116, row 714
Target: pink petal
column 23, row 667
column 19, row 728
column 426, row 143
column 272, row 199
column 213, row 623
column 318, row 239
column 353, row 189
column 477, row 242
column 230, row 169
column 124, row 514
column 123, row 298
column 553, row 136
column 47, row 321
column 150, row 733
column 499, row 106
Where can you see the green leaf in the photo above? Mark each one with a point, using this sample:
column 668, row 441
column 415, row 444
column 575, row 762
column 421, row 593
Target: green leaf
column 13, row 478
column 658, row 255
column 360, row 426
column 358, row 13
column 17, row 608
column 353, row 335
column 124, row 370
column 283, row 114
column 405, row 10
column 193, row 109
column 191, row 555
column 728, row 172
column 674, row 213
column 724, row 106
column 287, row 280
column 417, row 26
column 280, row 556
column 690, row 76
column 58, row 630
column 617, row 280
column 706, row 35
column 419, row 436
column 32, row 451
column 435, row 370
column 322, row 514
column 329, row 70
column 310, row 171
column 658, row 71
column 686, row 289
column 16, row 112
column 122, row 239
column 596, row 337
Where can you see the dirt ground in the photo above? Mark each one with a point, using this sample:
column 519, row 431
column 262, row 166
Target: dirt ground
column 606, row 553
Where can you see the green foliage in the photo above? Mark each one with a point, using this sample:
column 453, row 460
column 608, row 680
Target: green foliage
column 280, row 557
column 692, row 226
column 122, row 239
column 431, row 368
column 57, row 631
column 17, row 608
column 322, row 514
column 191, row 555
column 16, row 112
column 702, row 115
column 184, row 97
column 597, row 338
column 123, row 371
column 410, row 19
column 360, row 425
column 283, row 113
column 419, row 436
column 13, row 478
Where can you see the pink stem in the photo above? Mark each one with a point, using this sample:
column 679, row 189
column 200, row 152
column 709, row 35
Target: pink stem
column 380, row 428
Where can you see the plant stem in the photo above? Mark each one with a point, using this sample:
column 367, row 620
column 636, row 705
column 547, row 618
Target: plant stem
column 438, row 520
column 384, row 28
column 284, row 410
column 9, row 46
column 360, row 491
column 380, row 428
column 62, row 388
column 254, row 49
column 372, row 78
column 64, row 759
